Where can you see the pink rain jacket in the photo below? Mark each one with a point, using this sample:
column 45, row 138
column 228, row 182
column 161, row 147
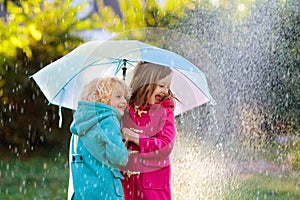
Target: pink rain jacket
column 148, row 172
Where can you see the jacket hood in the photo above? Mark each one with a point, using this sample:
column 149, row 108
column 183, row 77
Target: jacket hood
column 89, row 114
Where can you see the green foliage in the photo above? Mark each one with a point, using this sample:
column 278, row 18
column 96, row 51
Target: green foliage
column 32, row 35
column 140, row 13
column 37, row 32
column 294, row 155
column 44, row 177
column 287, row 49
column 272, row 187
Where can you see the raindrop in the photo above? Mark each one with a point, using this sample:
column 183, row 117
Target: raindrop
column 22, row 110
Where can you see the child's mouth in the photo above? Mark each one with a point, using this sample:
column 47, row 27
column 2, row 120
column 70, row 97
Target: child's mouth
column 122, row 107
column 158, row 98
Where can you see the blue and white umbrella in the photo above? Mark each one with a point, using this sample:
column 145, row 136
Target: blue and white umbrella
column 62, row 81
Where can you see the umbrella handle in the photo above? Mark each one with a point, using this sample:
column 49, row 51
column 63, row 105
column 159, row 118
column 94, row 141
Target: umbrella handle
column 124, row 69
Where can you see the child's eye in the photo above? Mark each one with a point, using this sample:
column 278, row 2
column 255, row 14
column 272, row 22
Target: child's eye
column 164, row 86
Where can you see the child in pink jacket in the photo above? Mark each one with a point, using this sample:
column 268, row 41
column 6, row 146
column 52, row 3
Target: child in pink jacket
column 149, row 131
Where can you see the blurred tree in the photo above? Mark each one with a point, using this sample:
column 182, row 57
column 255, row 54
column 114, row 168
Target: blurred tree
column 37, row 32
column 281, row 78
column 288, row 50
column 255, row 46
column 141, row 13
column 33, row 34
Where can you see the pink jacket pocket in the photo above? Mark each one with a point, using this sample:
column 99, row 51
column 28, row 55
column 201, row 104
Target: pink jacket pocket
column 154, row 180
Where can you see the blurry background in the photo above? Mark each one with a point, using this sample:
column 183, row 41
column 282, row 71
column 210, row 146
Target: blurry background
column 247, row 146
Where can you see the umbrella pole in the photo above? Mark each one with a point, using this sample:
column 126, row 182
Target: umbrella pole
column 124, row 69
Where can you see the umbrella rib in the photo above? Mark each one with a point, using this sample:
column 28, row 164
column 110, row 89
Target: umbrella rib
column 92, row 64
column 115, row 60
column 120, row 64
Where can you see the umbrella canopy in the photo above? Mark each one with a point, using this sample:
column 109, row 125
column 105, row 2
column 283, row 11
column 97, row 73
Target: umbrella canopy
column 62, row 81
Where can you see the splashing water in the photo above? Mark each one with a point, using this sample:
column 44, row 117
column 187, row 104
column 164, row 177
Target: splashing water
column 246, row 68
column 248, row 82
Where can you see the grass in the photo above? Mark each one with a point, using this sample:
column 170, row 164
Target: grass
column 45, row 176
column 40, row 177
column 201, row 173
column 270, row 187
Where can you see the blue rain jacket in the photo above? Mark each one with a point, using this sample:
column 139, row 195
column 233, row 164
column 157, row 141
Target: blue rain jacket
column 96, row 153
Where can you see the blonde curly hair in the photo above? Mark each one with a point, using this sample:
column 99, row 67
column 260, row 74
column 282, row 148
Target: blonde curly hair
column 100, row 90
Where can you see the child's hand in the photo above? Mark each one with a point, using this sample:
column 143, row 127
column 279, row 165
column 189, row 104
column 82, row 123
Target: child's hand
column 132, row 152
column 129, row 135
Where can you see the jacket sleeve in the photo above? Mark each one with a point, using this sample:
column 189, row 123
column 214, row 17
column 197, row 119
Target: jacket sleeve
column 115, row 150
column 104, row 142
column 161, row 144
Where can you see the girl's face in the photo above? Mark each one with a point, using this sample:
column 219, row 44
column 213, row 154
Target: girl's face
column 118, row 99
column 161, row 90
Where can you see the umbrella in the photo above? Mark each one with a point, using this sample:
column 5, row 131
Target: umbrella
column 62, row 81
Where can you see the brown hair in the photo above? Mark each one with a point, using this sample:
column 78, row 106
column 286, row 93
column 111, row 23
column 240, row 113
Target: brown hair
column 145, row 78
column 100, row 89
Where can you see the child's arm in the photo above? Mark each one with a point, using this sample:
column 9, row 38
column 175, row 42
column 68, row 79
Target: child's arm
column 114, row 146
column 104, row 142
column 162, row 142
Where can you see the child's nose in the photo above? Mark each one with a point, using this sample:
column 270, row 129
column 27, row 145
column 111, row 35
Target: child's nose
column 124, row 100
column 165, row 90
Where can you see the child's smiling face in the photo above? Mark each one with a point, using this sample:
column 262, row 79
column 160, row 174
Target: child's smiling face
column 118, row 99
column 161, row 90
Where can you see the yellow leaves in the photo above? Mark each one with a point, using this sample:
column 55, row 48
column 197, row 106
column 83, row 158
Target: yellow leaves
column 177, row 6
column 35, row 21
column 6, row 49
column 13, row 8
column 150, row 13
column 110, row 18
column 16, row 42
column 133, row 13
column 10, row 45
column 27, row 51
column 36, row 34
column 22, row 43
column 2, row 83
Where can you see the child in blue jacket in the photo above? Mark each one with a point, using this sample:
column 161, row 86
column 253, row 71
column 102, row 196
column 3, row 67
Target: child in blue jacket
column 96, row 147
